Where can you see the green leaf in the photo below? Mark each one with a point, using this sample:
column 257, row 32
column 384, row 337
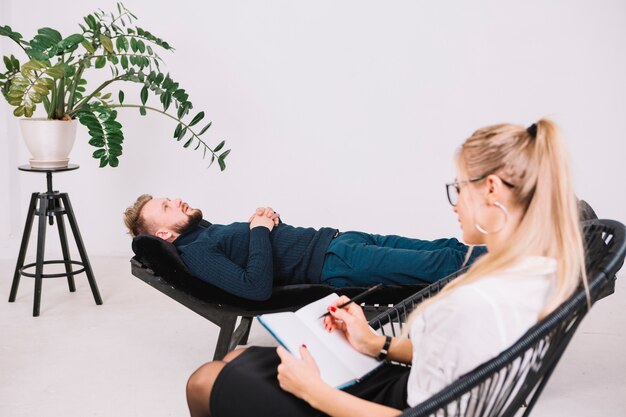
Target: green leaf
column 124, row 61
column 106, row 96
column 51, row 33
column 179, row 127
column 133, row 44
column 144, row 95
column 55, row 72
column 181, row 110
column 100, row 62
column 142, row 111
column 70, row 43
column 97, row 142
column 222, row 164
column 204, row 129
column 99, row 153
column 15, row 62
column 91, row 22
column 197, row 118
column 219, row 146
column 104, row 161
column 121, row 97
column 224, row 154
column 75, row 38
column 166, row 99
column 119, row 42
column 113, row 161
column 88, row 46
column 182, row 133
column 8, row 63
column 186, row 145
column 106, row 43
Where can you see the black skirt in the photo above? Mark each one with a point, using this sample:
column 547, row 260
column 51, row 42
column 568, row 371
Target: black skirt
column 248, row 386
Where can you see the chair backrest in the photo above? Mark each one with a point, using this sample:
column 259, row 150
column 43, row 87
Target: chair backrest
column 516, row 377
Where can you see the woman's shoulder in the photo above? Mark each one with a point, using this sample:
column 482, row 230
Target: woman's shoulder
column 530, row 279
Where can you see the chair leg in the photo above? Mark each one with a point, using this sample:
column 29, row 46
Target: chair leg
column 81, row 248
column 247, row 321
column 41, row 246
column 66, row 254
column 223, row 340
column 23, row 246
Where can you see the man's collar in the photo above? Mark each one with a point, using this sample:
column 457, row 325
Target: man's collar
column 191, row 234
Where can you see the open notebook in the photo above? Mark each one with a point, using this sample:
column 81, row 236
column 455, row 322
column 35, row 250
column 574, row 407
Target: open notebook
column 339, row 363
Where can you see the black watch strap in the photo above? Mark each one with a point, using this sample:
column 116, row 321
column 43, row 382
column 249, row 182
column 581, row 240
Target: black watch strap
column 385, row 349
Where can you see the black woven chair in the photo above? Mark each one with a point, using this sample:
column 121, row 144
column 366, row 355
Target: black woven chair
column 515, row 378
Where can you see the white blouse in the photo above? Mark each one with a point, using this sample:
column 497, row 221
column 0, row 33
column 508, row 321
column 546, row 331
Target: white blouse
column 475, row 323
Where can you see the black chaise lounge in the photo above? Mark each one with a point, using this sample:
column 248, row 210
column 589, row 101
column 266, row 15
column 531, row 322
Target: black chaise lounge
column 158, row 263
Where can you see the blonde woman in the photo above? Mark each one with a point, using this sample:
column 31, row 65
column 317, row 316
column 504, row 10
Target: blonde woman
column 512, row 193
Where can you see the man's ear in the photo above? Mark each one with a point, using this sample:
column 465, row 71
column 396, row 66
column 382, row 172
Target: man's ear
column 164, row 234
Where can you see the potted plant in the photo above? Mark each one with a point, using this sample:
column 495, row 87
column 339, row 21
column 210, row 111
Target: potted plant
column 54, row 75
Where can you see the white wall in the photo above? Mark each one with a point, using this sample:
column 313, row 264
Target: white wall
column 345, row 113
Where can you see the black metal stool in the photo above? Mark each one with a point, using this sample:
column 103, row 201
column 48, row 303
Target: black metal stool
column 51, row 204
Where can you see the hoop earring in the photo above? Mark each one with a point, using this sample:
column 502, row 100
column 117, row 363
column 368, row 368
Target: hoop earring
column 506, row 218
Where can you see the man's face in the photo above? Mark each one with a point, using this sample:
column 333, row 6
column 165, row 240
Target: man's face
column 169, row 218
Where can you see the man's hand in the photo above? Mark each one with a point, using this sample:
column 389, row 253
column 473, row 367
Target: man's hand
column 256, row 221
column 267, row 212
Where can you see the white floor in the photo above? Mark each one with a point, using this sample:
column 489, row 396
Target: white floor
column 132, row 355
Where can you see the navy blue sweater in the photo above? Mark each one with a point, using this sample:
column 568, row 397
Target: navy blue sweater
column 247, row 263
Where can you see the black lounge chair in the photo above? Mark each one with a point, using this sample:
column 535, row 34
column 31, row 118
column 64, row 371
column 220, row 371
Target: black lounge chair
column 158, row 263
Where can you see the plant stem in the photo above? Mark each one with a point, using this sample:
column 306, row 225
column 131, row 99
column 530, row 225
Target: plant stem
column 137, row 106
column 60, row 104
column 74, row 86
column 96, row 91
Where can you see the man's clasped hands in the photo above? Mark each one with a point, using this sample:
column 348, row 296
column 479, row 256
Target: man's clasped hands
column 264, row 216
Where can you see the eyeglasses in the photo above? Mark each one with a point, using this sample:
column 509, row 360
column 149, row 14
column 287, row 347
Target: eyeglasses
column 453, row 190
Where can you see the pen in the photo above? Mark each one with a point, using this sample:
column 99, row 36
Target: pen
column 356, row 298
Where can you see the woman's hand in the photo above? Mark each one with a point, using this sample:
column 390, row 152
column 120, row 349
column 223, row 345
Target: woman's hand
column 301, row 377
column 353, row 323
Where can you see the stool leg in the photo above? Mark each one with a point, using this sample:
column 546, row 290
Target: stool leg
column 52, row 205
column 81, row 247
column 41, row 246
column 66, row 254
column 23, row 246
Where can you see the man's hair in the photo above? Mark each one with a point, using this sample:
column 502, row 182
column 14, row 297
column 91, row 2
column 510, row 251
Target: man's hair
column 133, row 219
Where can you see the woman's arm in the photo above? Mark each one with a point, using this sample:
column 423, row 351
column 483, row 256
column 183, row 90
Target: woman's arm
column 301, row 378
column 353, row 323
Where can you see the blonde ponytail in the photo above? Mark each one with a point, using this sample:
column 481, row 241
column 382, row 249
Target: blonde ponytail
column 533, row 159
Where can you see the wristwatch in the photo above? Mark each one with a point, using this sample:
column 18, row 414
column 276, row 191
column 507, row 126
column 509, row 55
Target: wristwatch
column 385, row 349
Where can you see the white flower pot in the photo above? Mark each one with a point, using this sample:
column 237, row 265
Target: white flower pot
column 49, row 141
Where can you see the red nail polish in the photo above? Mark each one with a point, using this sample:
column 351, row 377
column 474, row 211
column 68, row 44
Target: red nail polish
column 304, row 346
column 333, row 309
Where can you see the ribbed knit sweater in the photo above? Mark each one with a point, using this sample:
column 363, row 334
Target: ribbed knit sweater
column 248, row 263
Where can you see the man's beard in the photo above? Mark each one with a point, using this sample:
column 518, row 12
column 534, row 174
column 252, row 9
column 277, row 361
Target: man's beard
column 193, row 220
